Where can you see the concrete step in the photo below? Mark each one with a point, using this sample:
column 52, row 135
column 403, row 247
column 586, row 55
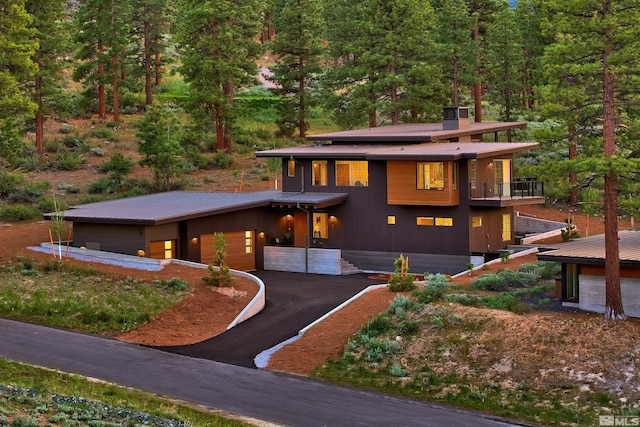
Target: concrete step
column 347, row 268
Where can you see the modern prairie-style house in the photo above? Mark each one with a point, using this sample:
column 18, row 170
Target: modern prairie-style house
column 439, row 193
column 583, row 276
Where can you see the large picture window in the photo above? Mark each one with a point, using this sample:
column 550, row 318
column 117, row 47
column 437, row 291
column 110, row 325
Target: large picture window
column 319, row 172
column 431, row 176
column 352, row 173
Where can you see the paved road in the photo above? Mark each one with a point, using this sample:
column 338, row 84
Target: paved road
column 263, row 395
column 294, row 300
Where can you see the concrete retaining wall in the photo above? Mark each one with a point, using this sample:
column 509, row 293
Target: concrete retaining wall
column 319, row 261
column 592, row 294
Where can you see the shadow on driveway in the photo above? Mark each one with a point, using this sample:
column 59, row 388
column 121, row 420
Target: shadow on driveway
column 294, row 300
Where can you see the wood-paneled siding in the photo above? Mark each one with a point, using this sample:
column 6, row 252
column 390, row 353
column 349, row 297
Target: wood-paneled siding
column 240, row 253
column 488, row 237
column 485, row 177
column 402, row 186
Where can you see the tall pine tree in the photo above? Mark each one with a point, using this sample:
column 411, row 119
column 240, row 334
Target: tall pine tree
column 17, row 47
column 298, row 48
column 218, row 47
column 595, row 48
column 52, row 37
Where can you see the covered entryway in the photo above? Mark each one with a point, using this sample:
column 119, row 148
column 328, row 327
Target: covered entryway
column 240, row 249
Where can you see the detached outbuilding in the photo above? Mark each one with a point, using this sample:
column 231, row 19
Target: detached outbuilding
column 583, row 277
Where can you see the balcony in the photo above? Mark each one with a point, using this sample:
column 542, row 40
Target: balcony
column 523, row 191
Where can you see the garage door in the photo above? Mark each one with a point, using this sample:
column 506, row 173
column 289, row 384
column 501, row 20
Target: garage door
column 239, row 248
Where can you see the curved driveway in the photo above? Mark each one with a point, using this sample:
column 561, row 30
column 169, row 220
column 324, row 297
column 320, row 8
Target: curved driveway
column 293, row 301
column 263, row 395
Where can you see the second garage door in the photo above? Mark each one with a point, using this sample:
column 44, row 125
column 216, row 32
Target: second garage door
column 239, row 248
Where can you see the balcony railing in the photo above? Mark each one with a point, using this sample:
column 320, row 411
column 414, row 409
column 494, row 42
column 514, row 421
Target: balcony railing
column 519, row 189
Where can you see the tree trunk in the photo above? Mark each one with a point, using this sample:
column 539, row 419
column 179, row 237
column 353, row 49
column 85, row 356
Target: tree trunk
column 477, row 86
column 158, row 63
column 455, row 84
column 227, row 134
column 39, row 116
column 102, row 102
column 613, row 297
column 148, row 86
column 302, row 125
column 116, row 90
column 573, row 177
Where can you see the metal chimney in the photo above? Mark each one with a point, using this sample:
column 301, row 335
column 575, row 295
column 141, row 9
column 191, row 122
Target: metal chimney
column 454, row 118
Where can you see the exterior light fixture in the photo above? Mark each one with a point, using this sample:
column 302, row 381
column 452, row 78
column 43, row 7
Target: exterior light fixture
column 194, row 240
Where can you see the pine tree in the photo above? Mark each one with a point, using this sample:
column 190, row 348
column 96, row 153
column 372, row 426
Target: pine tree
column 159, row 136
column 298, row 46
column 53, row 45
column 456, row 50
column 17, row 47
column 379, row 52
column 217, row 42
column 505, row 63
column 595, row 49
column 149, row 24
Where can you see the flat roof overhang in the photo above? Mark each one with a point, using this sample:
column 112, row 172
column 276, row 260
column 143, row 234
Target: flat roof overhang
column 309, row 200
column 414, row 132
column 506, row 202
column 426, row 152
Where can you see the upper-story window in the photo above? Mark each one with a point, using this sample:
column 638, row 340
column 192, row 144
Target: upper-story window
column 352, row 173
column 319, row 172
column 431, row 176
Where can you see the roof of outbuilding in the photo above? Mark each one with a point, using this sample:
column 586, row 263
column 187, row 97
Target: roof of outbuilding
column 413, row 132
column 162, row 208
column 426, row 151
column 590, row 250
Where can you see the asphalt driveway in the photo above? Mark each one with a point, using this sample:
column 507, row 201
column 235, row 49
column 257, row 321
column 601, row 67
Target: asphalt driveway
column 294, row 300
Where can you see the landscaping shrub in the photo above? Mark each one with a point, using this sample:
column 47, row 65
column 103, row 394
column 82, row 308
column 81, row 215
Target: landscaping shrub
column 67, row 129
column 103, row 186
column 435, row 287
column 65, row 161
column 504, row 280
column 9, row 182
column 29, row 193
column 402, row 280
column 173, row 283
column 377, row 326
column 222, row 160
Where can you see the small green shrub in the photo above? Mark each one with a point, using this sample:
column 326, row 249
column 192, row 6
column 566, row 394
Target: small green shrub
column 436, row 286
column 76, row 142
column 66, row 161
column 67, row 129
column 68, row 188
column 504, row 280
column 408, row 328
column 464, row 299
column 103, row 186
column 397, row 371
column 219, row 272
column 402, row 280
column 103, row 134
column 222, row 160
column 17, row 213
column 173, row 283
column 377, row 326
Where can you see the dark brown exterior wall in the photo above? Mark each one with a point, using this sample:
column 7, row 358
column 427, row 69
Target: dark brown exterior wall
column 124, row 239
column 361, row 222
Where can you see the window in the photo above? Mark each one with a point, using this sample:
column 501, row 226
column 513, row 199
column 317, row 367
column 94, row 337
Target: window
column 444, row 222
column 248, row 242
column 320, row 226
column 431, row 176
column 391, row 219
column 352, row 173
column 291, row 168
column 472, row 173
column 454, row 176
column 476, row 221
column 506, row 227
column 425, row 220
column 437, row 221
column 319, row 172
column 572, row 274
